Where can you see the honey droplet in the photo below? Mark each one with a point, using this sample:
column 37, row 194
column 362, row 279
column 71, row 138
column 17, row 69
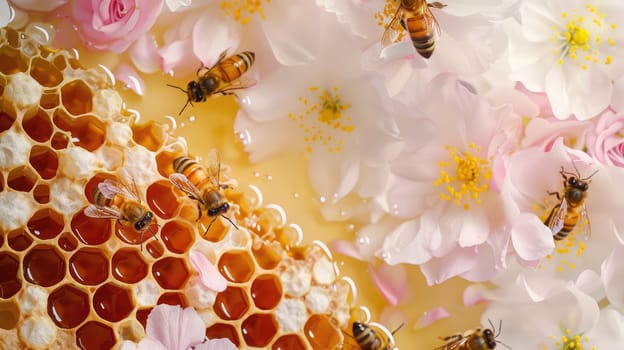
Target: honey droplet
column 222, row 330
column 149, row 135
column 170, row 272
column 236, row 266
column 9, row 314
column 41, row 193
column 44, row 265
column 88, row 266
column 46, row 224
column 161, row 199
column 94, row 335
column 259, row 329
column 128, row 266
column 68, row 306
column 38, row 125
column 112, row 302
column 288, row 342
column 177, row 236
column 173, row 299
column 67, row 242
column 44, row 160
column 92, row 231
column 19, row 240
column 10, row 284
column 321, row 333
column 76, row 97
column 266, row 291
column 231, row 304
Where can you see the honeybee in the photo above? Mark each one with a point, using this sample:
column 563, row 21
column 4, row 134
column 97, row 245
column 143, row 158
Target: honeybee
column 416, row 18
column 571, row 208
column 222, row 78
column 368, row 338
column 473, row 339
column 115, row 200
column 203, row 186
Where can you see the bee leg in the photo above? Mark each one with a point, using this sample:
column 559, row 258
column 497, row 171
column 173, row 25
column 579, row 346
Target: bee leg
column 436, row 4
column 403, row 24
column 454, row 337
column 556, row 194
column 199, row 211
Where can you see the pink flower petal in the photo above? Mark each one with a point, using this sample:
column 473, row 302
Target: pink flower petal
column 38, row 5
column 344, row 247
column 588, row 281
column 612, row 270
column 531, row 239
column 474, row 294
column 390, row 280
column 208, row 273
column 431, row 316
column 131, row 79
column 175, row 328
column 144, row 54
column 216, row 344
column 223, row 36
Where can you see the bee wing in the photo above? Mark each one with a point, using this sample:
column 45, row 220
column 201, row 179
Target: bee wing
column 181, row 182
column 99, row 212
column 431, row 20
column 238, row 84
column 110, row 188
column 393, row 29
column 559, row 218
column 454, row 344
column 584, row 222
column 213, row 166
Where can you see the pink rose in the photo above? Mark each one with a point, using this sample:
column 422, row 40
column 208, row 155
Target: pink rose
column 114, row 24
column 605, row 142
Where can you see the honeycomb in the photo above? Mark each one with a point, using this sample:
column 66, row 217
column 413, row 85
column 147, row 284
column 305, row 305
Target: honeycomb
column 73, row 281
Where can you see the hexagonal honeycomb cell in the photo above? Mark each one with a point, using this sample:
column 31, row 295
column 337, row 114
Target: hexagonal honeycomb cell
column 93, row 279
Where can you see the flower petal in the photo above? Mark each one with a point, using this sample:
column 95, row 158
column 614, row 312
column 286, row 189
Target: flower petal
column 209, row 275
column 175, row 328
column 431, row 316
column 612, row 271
column 223, row 36
column 344, row 247
column 131, row 79
column 5, row 13
column 216, row 344
column 38, row 5
column 531, row 239
column 390, row 280
column 144, row 54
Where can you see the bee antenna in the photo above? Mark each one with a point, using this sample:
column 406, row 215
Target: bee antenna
column 399, row 327
column 503, row 344
column 230, row 220
column 177, row 87
column 592, row 174
column 210, row 224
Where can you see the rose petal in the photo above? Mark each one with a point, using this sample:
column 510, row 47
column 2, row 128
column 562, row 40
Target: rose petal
column 209, row 275
column 344, row 247
column 391, row 281
column 175, row 328
column 431, row 316
column 131, row 79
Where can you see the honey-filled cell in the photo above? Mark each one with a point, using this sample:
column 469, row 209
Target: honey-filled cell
column 88, row 266
column 161, row 199
column 150, row 135
column 60, row 62
column 223, row 330
column 60, row 140
column 268, row 254
column 76, row 97
column 49, row 100
column 321, row 333
column 92, row 231
column 46, row 223
column 6, row 121
column 45, row 72
column 170, row 272
column 266, row 291
column 128, row 266
column 141, row 316
column 22, row 178
column 231, row 304
column 94, row 335
column 12, row 61
column 38, row 125
column 236, row 266
column 259, row 329
column 9, row 314
column 177, row 236
column 155, row 249
column 88, row 131
column 93, row 182
column 68, row 306
column 67, row 242
column 213, row 230
column 10, row 283
column 44, row 160
column 112, row 302
column 19, row 240
column 131, row 236
column 41, row 193
column 288, row 342
column 164, row 162
column 171, row 298
column 43, row 265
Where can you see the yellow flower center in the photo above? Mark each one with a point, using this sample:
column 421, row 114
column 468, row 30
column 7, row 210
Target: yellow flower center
column 242, row 10
column 465, row 177
column 582, row 37
column 325, row 121
column 568, row 341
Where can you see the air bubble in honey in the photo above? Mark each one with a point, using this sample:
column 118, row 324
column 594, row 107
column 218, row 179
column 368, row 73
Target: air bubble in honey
column 88, row 266
column 128, row 266
column 38, row 126
column 9, row 314
column 231, row 304
column 161, row 199
column 236, row 266
column 259, row 329
column 22, row 178
column 170, row 272
column 76, row 97
column 266, row 291
column 45, row 73
column 43, row 265
column 68, row 306
column 92, row 231
column 41, row 193
column 94, row 335
column 46, row 223
column 10, row 284
column 173, row 299
column 177, row 236
column 67, row 242
column 44, row 160
column 222, row 330
column 112, row 302
column 288, row 342
column 149, row 135
column 12, row 61
column 19, row 240
column 321, row 333
column 59, row 140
